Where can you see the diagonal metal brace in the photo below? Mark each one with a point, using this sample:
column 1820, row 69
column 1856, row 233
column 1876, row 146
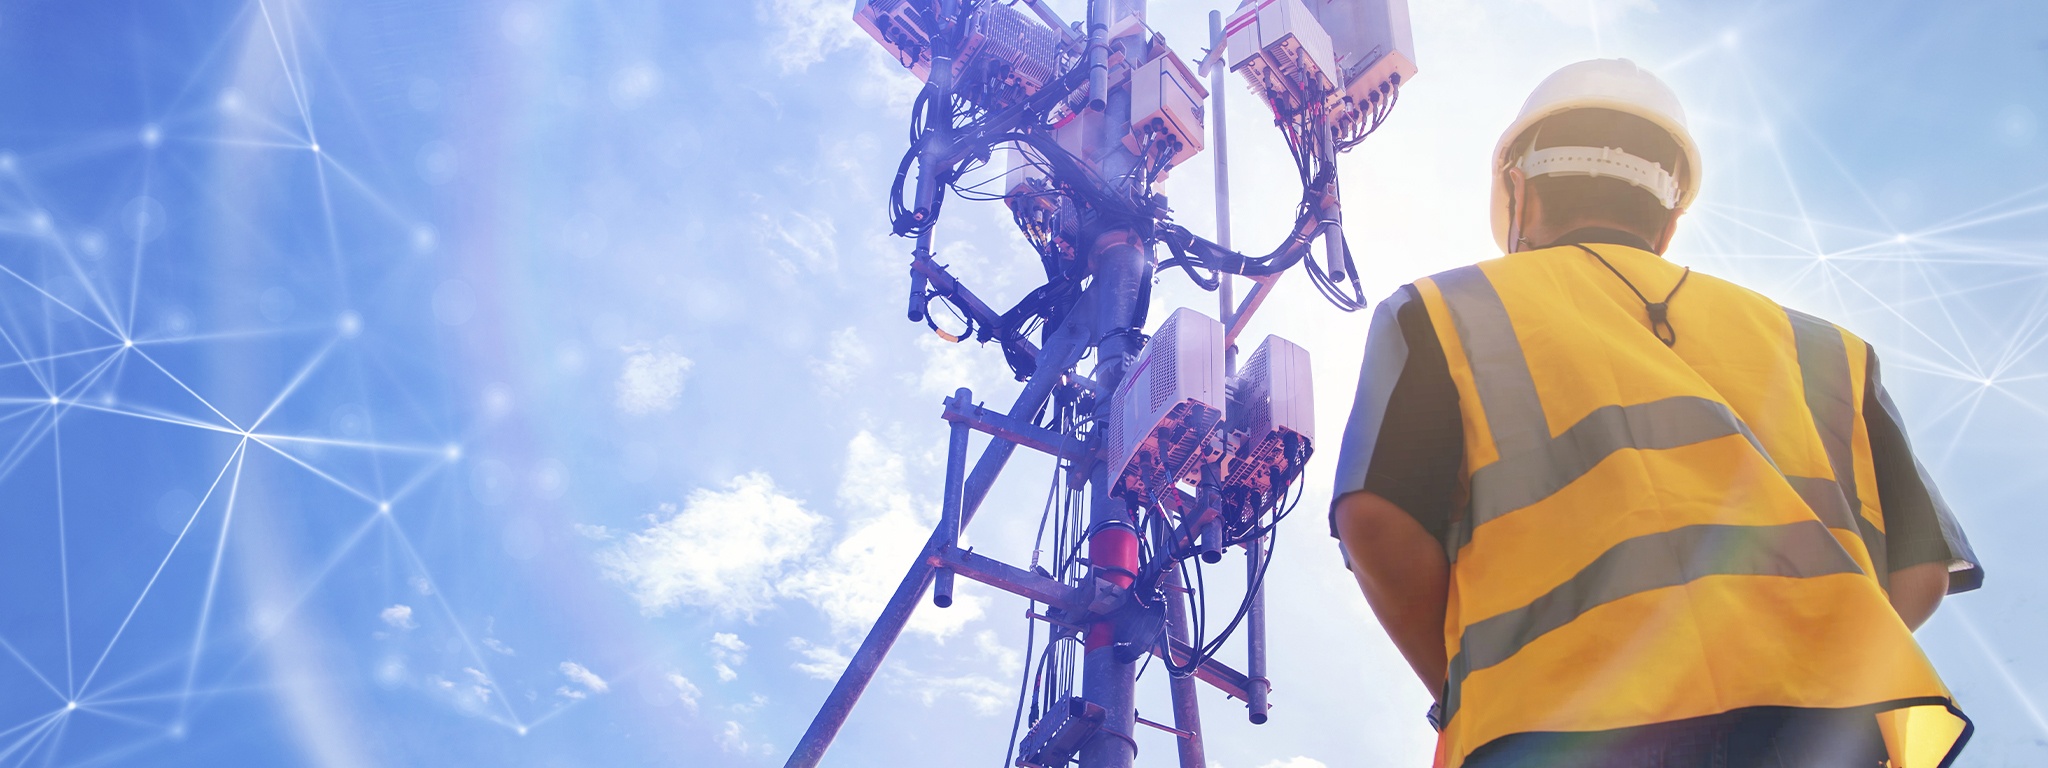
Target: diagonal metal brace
column 1230, row 681
column 1061, row 353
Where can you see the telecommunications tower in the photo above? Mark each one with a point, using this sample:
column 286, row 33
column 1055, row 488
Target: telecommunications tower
column 1167, row 455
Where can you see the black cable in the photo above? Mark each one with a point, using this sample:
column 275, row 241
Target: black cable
column 1203, row 650
column 1243, row 609
column 1023, row 685
column 1256, row 532
column 1660, row 311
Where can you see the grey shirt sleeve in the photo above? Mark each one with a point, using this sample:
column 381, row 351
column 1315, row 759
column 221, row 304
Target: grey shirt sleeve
column 1919, row 526
column 1405, row 438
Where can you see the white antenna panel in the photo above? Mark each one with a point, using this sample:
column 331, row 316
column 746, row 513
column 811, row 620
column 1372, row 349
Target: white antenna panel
column 1272, row 402
column 1282, row 51
column 1167, row 405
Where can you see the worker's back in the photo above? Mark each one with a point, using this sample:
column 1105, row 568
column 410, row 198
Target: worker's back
column 1661, row 531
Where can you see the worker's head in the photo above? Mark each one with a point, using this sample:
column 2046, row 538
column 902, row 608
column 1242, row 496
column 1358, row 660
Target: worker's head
column 1600, row 143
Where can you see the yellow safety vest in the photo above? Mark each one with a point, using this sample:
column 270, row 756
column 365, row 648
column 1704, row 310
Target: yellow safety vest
column 1653, row 533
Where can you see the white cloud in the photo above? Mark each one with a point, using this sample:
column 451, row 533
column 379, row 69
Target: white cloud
column 799, row 242
column 725, row 550
column 821, row 662
column 421, row 585
column 985, row 695
column 593, row 532
column 571, row 693
column 1007, row 660
column 853, row 581
column 733, row 738
column 949, row 366
column 473, row 696
column 399, row 616
column 846, row 355
column 652, row 380
column 1295, row 762
column 810, row 30
column 582, row 676
column 499, row 646
column 728, row 651
column 685, row 690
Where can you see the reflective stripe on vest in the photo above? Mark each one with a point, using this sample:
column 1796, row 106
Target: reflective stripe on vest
column 1525, row 642
column 1655, row 561
column 1830, row 395
column 1534, row 465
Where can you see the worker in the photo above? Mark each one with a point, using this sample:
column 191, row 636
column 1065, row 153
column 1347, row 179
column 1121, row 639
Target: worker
column 1616, row 513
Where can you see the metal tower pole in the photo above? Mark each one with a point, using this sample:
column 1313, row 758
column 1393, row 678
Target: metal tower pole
column 1255, row 620
column 1120, row 265
column 1218, row 63
column 1112, row 537
column 1187, row 711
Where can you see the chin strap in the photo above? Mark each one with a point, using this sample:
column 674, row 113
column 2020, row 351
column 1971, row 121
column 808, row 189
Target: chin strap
column 1659, row 311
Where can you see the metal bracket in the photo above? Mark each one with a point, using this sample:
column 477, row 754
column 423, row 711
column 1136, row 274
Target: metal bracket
column 1105, row 597
column 1016, row 581
column 1019, row 431
column 1263, row 287
column 943, row 281
column 1230, row 681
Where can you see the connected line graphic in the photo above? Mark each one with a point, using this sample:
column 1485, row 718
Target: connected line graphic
column 150, row 422
column 527, row 383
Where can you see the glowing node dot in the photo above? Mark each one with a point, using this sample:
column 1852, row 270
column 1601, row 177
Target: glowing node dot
column 151, row 135
column 1901, row 237
column 1731, row 38
column 522, row 730
column 453, row 451
column 351, row 324
column 70, row 705
column 54, row 400
column 315, row 147
column 384, row 506
column 126, row 343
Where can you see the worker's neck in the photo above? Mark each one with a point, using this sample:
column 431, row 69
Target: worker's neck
column 1588, row 229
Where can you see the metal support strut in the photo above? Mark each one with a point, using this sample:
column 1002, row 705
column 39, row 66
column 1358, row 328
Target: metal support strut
column 949, row 513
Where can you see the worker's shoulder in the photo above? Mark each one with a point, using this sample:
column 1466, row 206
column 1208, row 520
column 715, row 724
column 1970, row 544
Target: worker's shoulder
column 1725, row 292
column 1729, row 290
column 1435, row 282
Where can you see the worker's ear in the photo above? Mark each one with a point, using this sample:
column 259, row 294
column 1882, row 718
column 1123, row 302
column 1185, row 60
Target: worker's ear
column 1518, row 207
column 1670, row 230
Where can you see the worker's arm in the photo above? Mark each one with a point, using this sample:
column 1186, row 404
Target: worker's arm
column 1405, row 576
column 1916, row 591
column 1926, row 548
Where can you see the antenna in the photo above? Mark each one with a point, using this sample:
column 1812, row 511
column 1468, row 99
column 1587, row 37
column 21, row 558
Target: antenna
column 1166, row 455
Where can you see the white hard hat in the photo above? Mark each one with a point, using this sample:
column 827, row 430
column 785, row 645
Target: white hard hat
column 1613, row 84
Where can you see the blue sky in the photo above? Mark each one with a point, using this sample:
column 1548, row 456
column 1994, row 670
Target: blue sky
column 526, row 383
